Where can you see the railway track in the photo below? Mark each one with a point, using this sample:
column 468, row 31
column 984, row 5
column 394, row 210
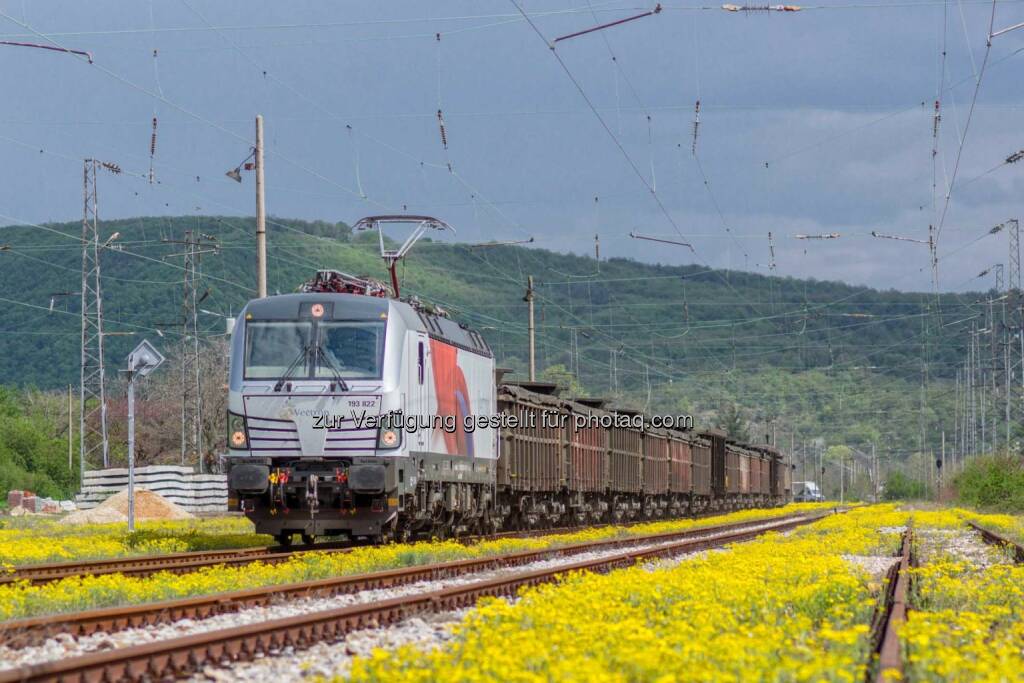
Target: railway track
column 996, row 539
column 893, row 614
column 180, row 563
column 890, row 617
column 180, row 655
column 137, row 566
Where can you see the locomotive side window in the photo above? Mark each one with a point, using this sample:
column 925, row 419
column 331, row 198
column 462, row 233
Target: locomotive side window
column 420, row 361
column 272, row 347
column 355, row 349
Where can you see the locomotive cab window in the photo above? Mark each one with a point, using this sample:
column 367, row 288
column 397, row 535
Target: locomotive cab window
column 355, row 349
column 272, row 347
column 352, row 350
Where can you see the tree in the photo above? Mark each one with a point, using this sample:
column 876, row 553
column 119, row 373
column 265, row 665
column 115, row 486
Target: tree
column 563, row 378
column 158, row 408
column 730, row 418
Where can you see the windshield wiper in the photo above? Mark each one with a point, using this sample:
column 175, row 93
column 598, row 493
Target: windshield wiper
column 329, row 364
column 303, row 354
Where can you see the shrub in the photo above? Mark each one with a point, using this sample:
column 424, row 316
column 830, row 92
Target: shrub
column 899, row 486
column 33, row 451
column 993, row 482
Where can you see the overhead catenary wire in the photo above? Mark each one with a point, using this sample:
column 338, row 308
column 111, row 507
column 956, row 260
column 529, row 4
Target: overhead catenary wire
column 967, row 124
column 191, row 114
column 604, row 124
column 605, row 127
column 475, row 192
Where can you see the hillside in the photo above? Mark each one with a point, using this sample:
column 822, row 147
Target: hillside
column 825, row 357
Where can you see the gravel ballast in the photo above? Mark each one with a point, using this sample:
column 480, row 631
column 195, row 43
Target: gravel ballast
column 64, row 645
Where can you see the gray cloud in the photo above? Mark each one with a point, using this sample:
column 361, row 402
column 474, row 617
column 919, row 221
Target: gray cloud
column 832, row 99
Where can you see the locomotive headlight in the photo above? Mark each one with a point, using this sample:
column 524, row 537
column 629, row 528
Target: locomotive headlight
column 237, row 436
column 389, row 438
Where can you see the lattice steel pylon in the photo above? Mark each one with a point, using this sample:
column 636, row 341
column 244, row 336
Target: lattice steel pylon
column 191, row 373
column 1016, row 301
column 92, row 398
column 1014, row 275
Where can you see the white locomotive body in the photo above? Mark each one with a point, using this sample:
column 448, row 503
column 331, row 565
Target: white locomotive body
column 359, row 415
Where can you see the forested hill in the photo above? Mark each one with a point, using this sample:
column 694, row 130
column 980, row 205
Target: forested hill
column 647, row 331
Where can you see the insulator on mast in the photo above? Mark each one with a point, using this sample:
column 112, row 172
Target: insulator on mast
column 696, row 126
column 152, row 150
column 444, row 136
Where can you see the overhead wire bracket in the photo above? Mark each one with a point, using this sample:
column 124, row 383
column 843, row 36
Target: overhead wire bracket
column 610, row 24
column 638, row 236
column 12, row 43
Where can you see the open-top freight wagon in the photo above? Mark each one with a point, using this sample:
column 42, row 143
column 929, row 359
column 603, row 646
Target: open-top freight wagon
column 551, row 473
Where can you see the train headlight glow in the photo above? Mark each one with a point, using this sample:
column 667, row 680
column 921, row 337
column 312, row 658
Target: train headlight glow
column 317, row 310
column 389, row 438
column 237, row 436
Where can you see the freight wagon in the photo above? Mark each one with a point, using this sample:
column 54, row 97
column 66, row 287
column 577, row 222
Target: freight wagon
column 554, row 475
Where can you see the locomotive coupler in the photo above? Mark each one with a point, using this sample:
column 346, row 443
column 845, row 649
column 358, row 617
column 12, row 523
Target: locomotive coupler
column 312, row 499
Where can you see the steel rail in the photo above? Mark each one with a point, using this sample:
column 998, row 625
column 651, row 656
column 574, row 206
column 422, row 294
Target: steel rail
column 179, row 563
column 891, row 616
column 132, row 565
column 179, row 656
column 993, row 538
column 35, row 630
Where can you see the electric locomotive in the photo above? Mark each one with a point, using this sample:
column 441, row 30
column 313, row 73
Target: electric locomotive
column 353, row 413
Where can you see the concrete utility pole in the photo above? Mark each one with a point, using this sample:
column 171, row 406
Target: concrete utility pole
column 71, row 432
column 131, row 449
column 261, row 216
column 191, row 383
column 943, row 452
column 874, row 479
column 842, row 481
column 533, row 348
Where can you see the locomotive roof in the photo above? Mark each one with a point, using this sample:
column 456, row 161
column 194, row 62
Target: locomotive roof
column 286, row 306
column 362, row 307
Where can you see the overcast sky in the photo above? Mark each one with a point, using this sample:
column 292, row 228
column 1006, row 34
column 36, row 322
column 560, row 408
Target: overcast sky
column 813, row 122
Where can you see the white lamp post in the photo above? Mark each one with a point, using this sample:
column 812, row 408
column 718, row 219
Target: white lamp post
column 142, row 361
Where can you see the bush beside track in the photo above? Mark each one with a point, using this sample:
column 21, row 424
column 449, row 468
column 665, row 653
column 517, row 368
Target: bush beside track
column 31, row 540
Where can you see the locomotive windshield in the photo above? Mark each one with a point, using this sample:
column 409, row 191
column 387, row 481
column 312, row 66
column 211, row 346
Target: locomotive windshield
column 353, row 350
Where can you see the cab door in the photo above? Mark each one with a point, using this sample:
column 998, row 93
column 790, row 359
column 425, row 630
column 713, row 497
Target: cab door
column 418, row 402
